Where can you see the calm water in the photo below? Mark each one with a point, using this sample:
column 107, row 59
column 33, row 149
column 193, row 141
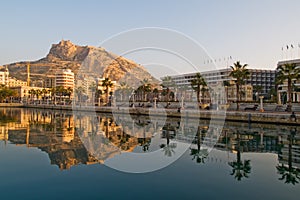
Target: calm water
column 63, row 155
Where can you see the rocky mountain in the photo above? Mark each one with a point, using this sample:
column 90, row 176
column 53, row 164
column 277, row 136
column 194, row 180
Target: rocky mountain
column 82, row 60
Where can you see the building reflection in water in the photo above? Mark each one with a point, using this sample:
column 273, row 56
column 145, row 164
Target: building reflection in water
column 66, row 138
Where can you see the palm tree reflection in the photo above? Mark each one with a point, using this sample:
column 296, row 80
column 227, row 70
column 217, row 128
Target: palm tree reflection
column 197, row 153
column 290, row 174
column 240, row 168
column 168, row 148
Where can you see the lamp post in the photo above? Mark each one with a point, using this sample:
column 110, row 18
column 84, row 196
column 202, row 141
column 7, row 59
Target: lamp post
column 155, row 98
column 133, row 99
column 261, row 103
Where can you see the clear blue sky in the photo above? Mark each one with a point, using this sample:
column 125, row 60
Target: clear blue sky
column 252, row 31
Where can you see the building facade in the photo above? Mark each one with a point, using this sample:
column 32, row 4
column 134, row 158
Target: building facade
column 263, row 79
column 282, row 89
column 4, row 75
column 64, row 78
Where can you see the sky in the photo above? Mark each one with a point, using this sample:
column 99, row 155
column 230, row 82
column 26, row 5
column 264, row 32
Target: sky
column 251, row 31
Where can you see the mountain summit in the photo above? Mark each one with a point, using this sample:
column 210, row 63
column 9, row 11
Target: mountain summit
column 87, row 59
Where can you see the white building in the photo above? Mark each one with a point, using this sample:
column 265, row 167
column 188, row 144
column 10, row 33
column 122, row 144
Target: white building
column 4, row 75
column 64, row 78
column 282, row 88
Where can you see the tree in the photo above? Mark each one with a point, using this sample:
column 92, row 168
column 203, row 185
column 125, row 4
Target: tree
column 196, row 84
column 197, row 153
column 108, row 85
column 145, row 88
column 38, row 93
column 32, row 93
column 6, row 92
column 79, row 91
column 60, row 92
column 167, row 84
column 53, row 94
column 44, row 92
column 169, row 147
column 240, row 73
column 155, row 93
column 289, row 173
column 288, row 72
column 69, row 92
column 98, row 95
column 257, row 89
column 240, row 168
column 123, row 91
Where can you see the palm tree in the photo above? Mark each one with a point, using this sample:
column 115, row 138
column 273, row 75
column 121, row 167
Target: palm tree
column 98, row 95
column 167, row 84
column 196, row 84
column 197, row 153
column 240, row 73
column 60, row 91
column 257, row 89
column 79, row 91
column 145, row 88
column 44, row 92
column 53, row 94
column 289, row 173
column 69, row 92
column 155, row 93
column 38, row 93
column 108, row 85
column 168, row 148
column 203, row 90
column 240, row 168
column 288, row 72
column 124, row 91
column 32, row 93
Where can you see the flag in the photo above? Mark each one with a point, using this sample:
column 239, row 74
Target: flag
column 292, row 46
column 287, row 46
column 281, row 48
column 230, row 57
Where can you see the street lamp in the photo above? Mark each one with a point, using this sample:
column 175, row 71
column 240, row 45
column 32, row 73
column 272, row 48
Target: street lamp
column 155, row 98
column 261, row 103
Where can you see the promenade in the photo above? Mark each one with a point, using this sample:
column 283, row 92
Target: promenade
column 271, row 117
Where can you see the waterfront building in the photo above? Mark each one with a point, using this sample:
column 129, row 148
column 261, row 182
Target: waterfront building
column 23, row 92
column 4, row 77
column 282, row 88
column 259, row 78
column 49, row 81
column 64, row 78
column 8, row 81
column 13, row 82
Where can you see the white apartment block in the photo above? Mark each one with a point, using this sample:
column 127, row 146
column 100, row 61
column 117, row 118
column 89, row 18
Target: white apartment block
column 64, row 78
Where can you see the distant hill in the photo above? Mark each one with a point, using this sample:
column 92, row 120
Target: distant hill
column 83, row 59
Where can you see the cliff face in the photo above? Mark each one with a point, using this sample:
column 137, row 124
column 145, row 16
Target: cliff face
column 79, row 59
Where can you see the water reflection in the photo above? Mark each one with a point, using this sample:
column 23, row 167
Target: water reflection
column 83, row 139
column 240, row 168
column 289, row 173
column 197, row 153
